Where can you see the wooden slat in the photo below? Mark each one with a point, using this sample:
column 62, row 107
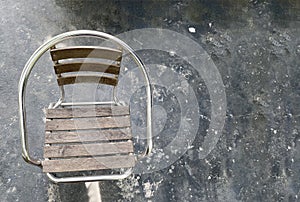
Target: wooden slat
column 87, row 136
column 96, row 149
column 84, row 164
column 87, row 66
column 87, row 112
column 66, row 80
column 88, row 123
column 86, row 52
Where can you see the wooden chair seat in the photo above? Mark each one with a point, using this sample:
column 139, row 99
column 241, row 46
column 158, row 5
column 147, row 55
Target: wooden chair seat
column 88, row 138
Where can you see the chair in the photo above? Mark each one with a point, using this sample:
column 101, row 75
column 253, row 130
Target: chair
column 85, row 136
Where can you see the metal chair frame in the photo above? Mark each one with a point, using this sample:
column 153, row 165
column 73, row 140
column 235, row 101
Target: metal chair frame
column 22, row 94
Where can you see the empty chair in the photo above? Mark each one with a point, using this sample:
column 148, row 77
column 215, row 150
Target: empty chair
column 89, row 135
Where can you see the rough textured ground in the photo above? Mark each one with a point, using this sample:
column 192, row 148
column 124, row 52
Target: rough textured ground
column 254, row 44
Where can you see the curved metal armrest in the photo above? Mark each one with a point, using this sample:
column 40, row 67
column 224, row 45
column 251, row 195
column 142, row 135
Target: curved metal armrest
column 46, row 46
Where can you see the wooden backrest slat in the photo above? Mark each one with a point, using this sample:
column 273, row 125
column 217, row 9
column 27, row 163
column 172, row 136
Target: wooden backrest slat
column 86, row 79
column 85, row 59
column 87, row 66
column 86, row 52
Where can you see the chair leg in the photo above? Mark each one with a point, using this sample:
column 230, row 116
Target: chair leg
column 93, row 191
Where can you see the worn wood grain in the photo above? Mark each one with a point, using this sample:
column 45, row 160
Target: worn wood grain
column 98, row 111
column 95, row 149
column 87, row 66
column 87, row 136
column 90, row 163
column 85, row 52
column 87, row 123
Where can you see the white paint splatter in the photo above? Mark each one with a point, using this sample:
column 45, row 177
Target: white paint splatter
column 192, row 29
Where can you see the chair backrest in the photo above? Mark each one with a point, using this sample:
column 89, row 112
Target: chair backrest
column 86, row 64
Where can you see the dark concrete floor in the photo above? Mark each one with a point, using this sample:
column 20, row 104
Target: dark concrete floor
column 254, row 44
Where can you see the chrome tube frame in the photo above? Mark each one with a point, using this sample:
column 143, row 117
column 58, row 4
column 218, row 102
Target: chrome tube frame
column 54, row 179
column 22, row 91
